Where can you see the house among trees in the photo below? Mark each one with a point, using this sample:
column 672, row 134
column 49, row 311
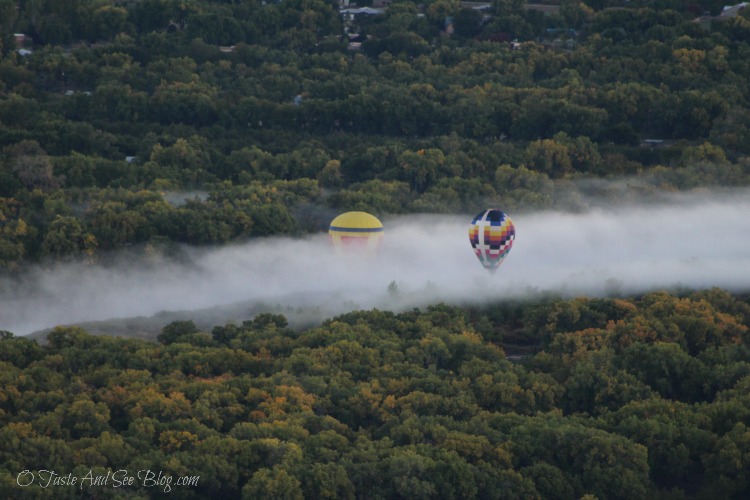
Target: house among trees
column 543, row 8
column 476, row 5
column 732, row 10
column 20, row 39
column 727, row 14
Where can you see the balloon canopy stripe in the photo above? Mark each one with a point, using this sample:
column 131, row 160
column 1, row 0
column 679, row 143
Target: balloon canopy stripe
column 356, row 229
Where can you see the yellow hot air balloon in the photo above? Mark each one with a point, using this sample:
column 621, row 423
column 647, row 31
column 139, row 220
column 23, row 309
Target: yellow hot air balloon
column 356, row 231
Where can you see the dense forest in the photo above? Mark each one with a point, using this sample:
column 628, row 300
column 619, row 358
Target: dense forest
column 623, row 399
column 149, row 124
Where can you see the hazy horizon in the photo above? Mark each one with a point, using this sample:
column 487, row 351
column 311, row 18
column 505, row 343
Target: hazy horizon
column 687, row 240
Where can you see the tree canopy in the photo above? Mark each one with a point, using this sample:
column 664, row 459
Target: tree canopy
column 613, row 398
column 108, row 107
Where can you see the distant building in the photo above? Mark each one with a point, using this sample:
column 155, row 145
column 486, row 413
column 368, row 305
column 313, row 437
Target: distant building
column 476, row 5
column 22, row 41
column 728, row 13
column 543, row 8
column 362, row 10
column 733, row 10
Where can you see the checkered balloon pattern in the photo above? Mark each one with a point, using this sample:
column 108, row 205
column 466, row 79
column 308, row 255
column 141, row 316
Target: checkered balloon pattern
column 491, row 234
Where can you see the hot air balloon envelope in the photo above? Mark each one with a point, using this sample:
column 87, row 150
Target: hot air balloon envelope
column 356, row 230
column 491, row 234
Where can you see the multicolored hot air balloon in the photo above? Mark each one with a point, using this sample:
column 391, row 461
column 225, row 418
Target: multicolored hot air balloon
column 491, row 234
column 356, row 230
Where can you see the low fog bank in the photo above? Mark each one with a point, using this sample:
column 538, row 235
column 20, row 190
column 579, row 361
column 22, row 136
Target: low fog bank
column 694, row 241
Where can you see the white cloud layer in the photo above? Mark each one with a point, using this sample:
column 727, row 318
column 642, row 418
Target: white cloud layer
column 696, row 241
